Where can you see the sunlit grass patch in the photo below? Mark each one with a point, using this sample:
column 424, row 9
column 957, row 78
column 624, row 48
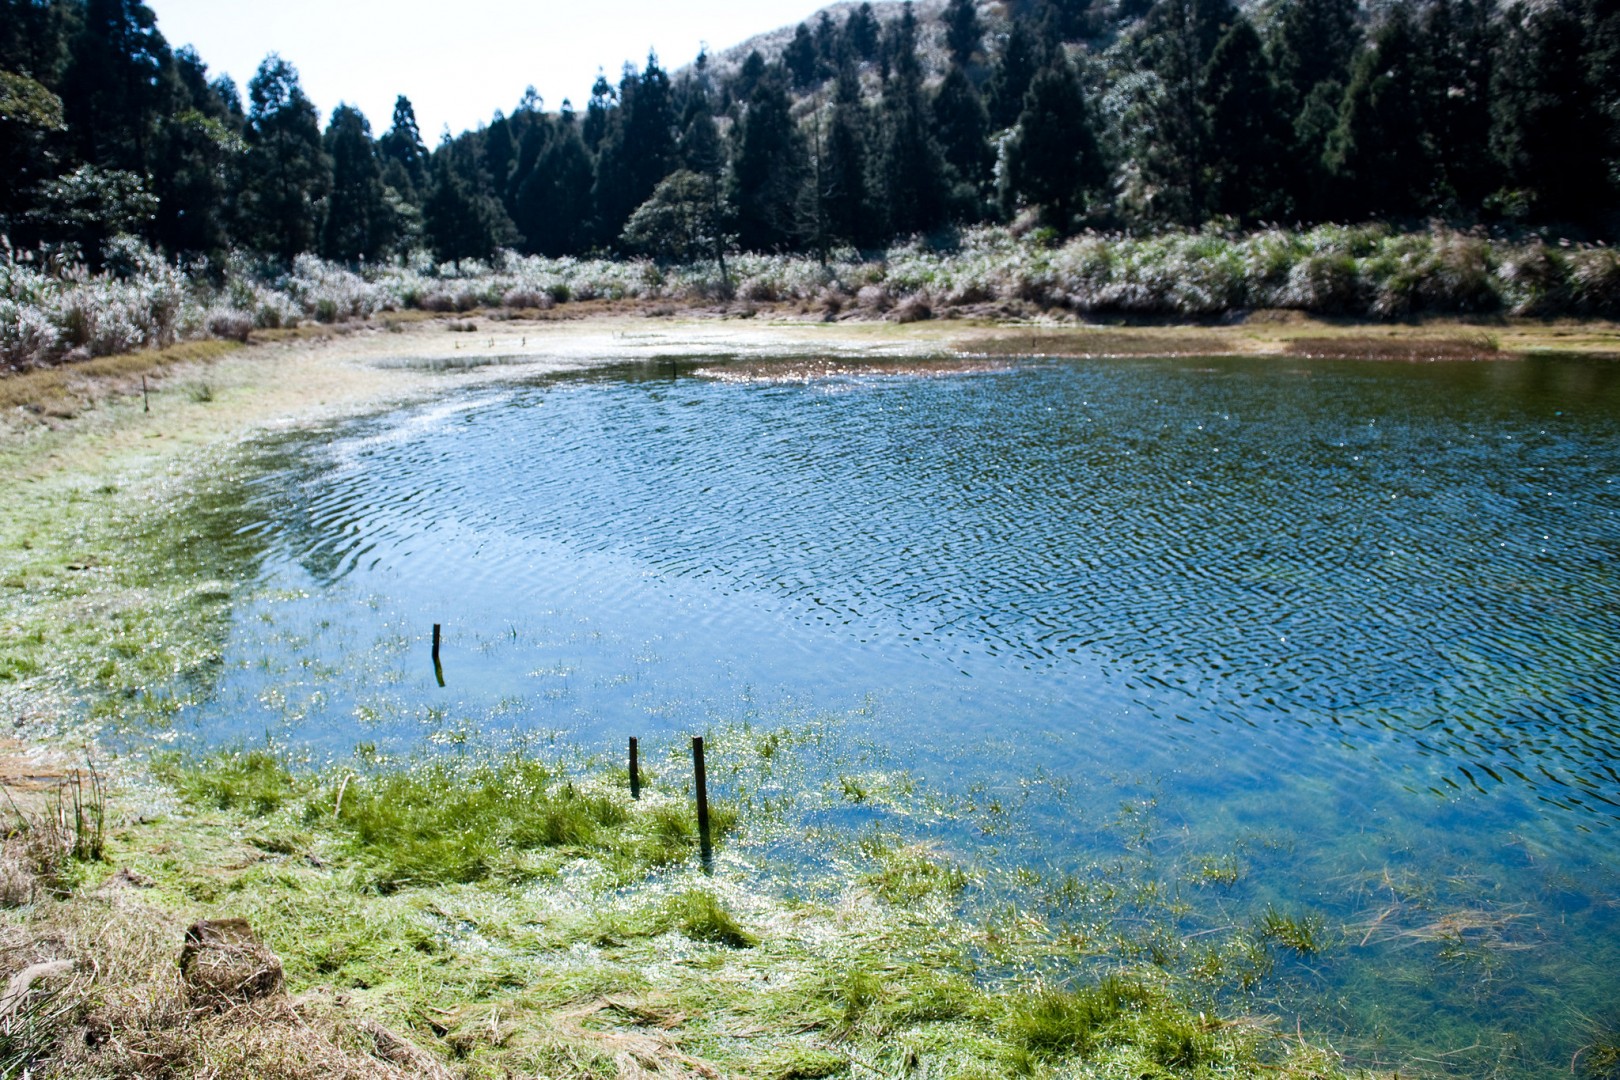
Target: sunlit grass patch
column 257, row 782
column 1304, row 934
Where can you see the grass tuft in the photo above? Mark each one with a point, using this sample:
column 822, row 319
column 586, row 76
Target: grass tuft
column 701, row 916
column 1302, row 933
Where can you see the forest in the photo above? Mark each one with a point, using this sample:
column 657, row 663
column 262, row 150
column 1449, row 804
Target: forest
column 865, row 127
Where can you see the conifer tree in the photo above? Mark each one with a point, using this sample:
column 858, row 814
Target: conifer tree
column 963, row 129
column 1247, row 128
column 847, row 193
column 638, row 149
column 118, row 85
column 601, row 106
column 862, row 33
column 1053, row 160
column 799, row 57
column 768, row 170
column 288, row 173
column 554, row 200
column 1548, row 129
column 402, row 144
column 964, row 33
column 359, row 223
column 462, row 217
column 1378, row 154
column 200, row 157
column 913, row 189
column 1010, row 78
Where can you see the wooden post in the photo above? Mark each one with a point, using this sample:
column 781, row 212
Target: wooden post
column 635, row 771
column 146, row 401
column 705, row 842
column 438, row 668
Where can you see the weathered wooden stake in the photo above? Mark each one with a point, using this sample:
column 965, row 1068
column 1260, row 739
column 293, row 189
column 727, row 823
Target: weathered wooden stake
column 435, row 641
column 635, row 771
column 706, row 844
column 438, row 668
column 146, row 400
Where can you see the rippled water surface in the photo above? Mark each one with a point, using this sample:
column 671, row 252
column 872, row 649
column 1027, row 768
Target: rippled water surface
column 1355, row 623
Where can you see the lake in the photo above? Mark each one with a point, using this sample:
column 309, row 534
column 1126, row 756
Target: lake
column 1346, row 633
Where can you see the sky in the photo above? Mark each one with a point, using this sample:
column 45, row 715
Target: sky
column 459, row 60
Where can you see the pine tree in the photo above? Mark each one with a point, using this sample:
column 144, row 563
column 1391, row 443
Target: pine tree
column 118, row 85
column 799, row 57
column 402, row 144
column 1378, row 154
column 598, row 111
column 1053, row 160
column 638, row 149
column 1247, row 128
column 287, row 172
column 964, row 33
column 1457, row 46
column 554, row 201
column 1548, row 130
column 462, row 217
column 862, row 33
column 768, row 170
column 913, row 189
column 1015, row 69
column 199, row 152
column 359, row 225
column 1312, row 44
column 963, row 129
column 846, row 192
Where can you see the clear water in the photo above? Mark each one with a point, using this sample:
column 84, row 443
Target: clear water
column 1353, row 626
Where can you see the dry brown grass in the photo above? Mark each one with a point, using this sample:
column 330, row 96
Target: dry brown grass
column 1405, row 347
column 75, row 385
column 1086, row 343
column 118, row 1005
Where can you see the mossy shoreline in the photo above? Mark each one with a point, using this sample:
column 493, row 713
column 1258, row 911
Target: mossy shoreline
column 536, row 921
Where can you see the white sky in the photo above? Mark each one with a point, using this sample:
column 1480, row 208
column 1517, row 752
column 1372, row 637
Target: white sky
column 458, row 61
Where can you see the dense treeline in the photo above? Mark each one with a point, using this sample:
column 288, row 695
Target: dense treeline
column 1116, row 114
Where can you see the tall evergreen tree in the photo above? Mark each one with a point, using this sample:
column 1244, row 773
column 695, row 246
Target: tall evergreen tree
column 768, row 170
column 1247, row 128
column 1549, row 128
column 913, row 188
column 1379, row 154
column 1176, row 42
column 1014, row 70
column 402, row 144
column 637, row 151
column 1053, row 160
column 463, row 218
column 118, row 85
column 800, row 58
column 1457, row 49
column 964, row 33
column 847, row 199
column 598, row 111
column 1312, row 44
column 288, row 173
column 360, row 224
column 199, row 152
column 554, row 200
column 963, row 129
column 862, row 33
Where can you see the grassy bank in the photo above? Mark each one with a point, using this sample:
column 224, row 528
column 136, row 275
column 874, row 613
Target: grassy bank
column 55, row 314
column 518, row 913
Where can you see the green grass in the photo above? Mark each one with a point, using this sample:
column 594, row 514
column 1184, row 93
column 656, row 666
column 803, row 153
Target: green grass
column 1301, row 933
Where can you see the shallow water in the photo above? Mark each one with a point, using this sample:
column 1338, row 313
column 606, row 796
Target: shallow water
column 1351, row 626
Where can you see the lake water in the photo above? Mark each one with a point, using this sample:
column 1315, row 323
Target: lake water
column 1353, row 628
